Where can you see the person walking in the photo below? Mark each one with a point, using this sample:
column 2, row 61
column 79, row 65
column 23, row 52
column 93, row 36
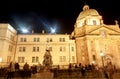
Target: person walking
column 110, row 70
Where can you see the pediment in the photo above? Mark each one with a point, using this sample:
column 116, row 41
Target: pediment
column 108, row 29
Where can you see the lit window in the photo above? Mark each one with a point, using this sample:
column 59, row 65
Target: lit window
column 34, row 49
column 62, row 49
column 62, row 39
column 34, row 39
column 21, row 59
column 62, row 59
column 38, row 39
column 22, row 49
column 35, row 59
column 23, row 39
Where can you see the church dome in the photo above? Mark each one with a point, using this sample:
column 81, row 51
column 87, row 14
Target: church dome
column 87, row 12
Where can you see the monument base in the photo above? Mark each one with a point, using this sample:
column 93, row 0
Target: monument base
column 44, row 75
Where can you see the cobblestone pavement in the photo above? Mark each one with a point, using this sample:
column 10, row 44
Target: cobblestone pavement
column 115, row 76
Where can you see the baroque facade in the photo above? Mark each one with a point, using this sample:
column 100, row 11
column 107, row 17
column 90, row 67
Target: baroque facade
column 93, row 37
column 89, row 38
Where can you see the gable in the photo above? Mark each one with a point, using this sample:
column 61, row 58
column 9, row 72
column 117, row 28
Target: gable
column 109, row 30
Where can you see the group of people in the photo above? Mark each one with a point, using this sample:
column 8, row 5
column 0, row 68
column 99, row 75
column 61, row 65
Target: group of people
column 106, row 71
column 27, row 70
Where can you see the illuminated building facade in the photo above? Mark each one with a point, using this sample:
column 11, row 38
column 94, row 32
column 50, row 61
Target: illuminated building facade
column 31, row 48
column 7, row 43
column 92, row 37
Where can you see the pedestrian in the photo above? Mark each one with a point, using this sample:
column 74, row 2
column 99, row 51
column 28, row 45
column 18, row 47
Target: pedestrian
column 110, row 70
column 10, row 70
column 83, row 71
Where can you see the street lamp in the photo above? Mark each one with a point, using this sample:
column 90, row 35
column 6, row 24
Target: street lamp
column 102, row 56
column 0, row 59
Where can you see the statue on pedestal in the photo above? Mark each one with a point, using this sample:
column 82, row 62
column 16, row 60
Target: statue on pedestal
column 47, row 62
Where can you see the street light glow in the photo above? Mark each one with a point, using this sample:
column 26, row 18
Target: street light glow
column 53, row 30
column 0, row 59
column 25, row 31
column 101, row 53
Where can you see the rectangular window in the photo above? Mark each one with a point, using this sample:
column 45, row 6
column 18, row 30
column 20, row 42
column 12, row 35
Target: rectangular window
column 38, row 39
column 34, row 39
column 64, row 49
column 23, row 39
column 22, row 49
column 34, row 49
column 62, row 58
column 47, row 40
column 21, row 59
column 50, row 39
column 60, row 49
column 37, row 59
column 8, row 59
column 62, row 39
column 72, row 48
column 73, row 59
column 33, row 59
column 37, row 49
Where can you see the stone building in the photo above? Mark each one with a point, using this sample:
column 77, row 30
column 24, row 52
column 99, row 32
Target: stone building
column 93, row 37
column 7, row 43
column 31, row 48
column 89, row 39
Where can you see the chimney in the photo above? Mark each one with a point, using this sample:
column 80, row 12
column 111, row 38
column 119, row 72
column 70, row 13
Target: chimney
column 32, row 31
column 43, row 31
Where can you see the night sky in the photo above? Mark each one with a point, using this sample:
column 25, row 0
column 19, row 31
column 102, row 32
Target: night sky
column 41, row 15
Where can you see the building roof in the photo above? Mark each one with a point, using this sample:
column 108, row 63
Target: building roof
column 87, row 12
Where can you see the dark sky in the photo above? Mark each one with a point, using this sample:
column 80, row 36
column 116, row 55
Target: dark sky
column 45, row 14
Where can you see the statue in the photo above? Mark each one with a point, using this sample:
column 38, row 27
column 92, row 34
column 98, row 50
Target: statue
column 47, row 62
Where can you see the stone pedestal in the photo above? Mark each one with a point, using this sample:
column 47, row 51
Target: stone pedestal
column 44, row 75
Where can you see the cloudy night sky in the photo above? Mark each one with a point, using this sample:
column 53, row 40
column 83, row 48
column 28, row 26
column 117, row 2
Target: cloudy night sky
column 41, row 15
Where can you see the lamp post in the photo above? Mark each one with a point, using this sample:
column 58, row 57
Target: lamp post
column 102, row 56
column 0, row 60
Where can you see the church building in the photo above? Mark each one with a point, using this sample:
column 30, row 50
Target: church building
column 96, row 42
